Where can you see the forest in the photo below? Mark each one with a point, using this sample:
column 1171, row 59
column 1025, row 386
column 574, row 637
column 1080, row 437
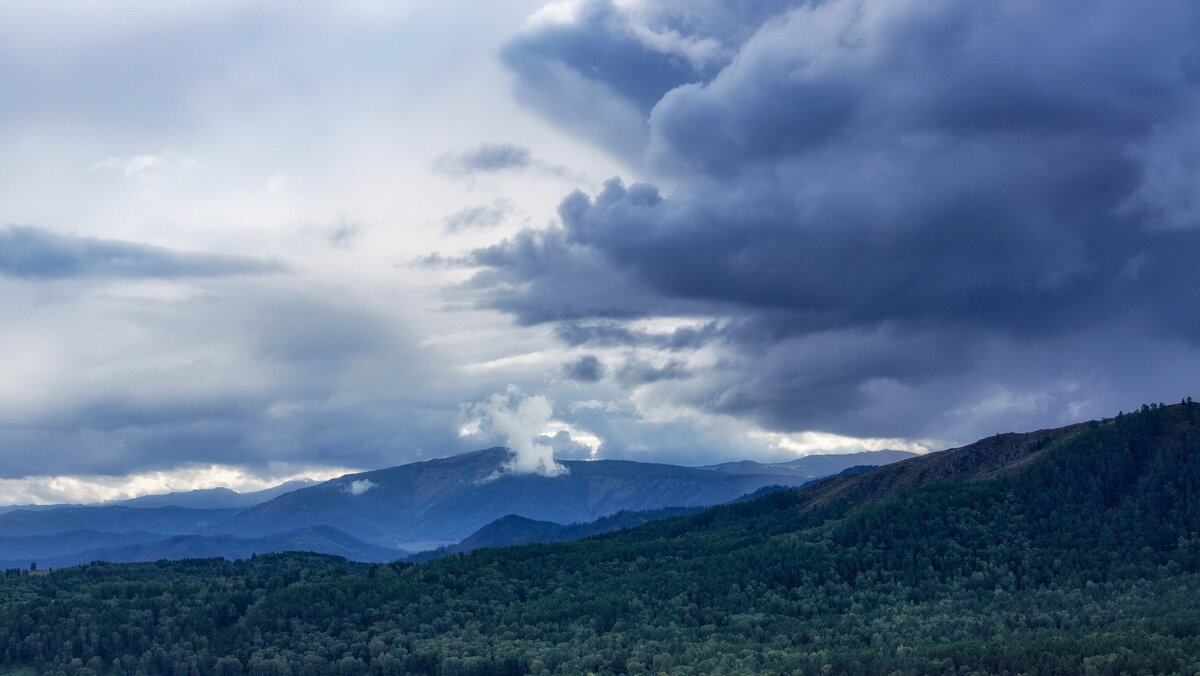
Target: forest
column 1084, row 560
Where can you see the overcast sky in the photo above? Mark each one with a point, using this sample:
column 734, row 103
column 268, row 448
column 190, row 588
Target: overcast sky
column 242, row 242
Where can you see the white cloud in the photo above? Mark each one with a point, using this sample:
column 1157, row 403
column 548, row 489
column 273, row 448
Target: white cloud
column 360, row 486
column 820, row 443
column 518, row 419
column 45, row 490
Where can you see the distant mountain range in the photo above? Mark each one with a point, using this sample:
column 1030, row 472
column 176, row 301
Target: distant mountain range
column 814, row 466
column 215, row 498
column 202, row 498
column 18, row 551
column 449, row 498
column 111, row 519
column 377, row 515
column 517, row 530
column 320, row 539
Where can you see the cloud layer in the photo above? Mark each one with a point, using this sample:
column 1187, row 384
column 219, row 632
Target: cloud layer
column 909, row 223
column 907, row 218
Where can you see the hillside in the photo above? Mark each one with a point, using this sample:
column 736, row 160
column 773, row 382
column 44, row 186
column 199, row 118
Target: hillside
column 110, row 518
column 517, row 530
column 984, row 459
column 21, row 550
column 1078, row 556
column 449, row 498
column 319, row 539
column 814, row 466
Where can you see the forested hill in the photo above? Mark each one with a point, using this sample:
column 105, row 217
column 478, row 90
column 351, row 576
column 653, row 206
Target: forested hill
column 1079, row 553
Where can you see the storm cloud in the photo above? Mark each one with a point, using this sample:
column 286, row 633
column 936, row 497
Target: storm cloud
column 586, row 369
column 909, row 218
column 598, row 70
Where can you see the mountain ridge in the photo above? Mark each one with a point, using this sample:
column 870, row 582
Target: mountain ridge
column 219, row 497
column 815, row 465
column 317, row 539
column 449, row 498
column 512, row 529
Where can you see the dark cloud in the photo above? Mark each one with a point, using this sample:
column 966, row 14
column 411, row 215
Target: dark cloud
column 612, row 333
column 601, row 45
column 483, row 217
column 888, row 206
column 598, row 334
column 602, row 70
column 487, row 158
column 491, row 158
column 637, row 372
column 35, row 253
column 541, row 276
column 586, row 369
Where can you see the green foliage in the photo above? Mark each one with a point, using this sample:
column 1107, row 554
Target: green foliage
column 1086, row 562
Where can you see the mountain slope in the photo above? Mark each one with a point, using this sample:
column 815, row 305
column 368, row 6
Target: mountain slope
column 202, row 498
column 110, row 518
column 215, row 498
column 319, row 539
column 984, row 459
column 1077, row 555
column 814, row 466
column 28, row 548
column 517, row 530
column 449, row 498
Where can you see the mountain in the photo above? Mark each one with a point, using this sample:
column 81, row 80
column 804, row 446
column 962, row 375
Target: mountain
column 319, row 539
column 814, row 466
column 995, row 456
column 1067, row 551
column 110, row 518
column 29, row 548
column 215, row 498
column 202, row 498
column 437, row 501
column 517, row 530
column 33, row 508
column 449, row 498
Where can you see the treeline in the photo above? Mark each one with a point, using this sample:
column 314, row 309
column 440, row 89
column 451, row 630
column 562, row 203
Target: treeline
column 1087, row 561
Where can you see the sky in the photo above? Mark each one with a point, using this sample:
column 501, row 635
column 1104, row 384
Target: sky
column 244, row 242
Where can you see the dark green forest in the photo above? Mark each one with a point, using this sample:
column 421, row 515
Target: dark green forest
column 1083, row 560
